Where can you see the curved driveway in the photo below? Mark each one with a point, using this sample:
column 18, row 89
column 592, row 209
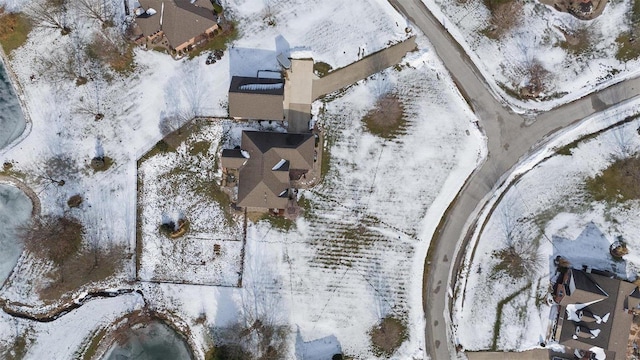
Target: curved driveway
column 509, row 139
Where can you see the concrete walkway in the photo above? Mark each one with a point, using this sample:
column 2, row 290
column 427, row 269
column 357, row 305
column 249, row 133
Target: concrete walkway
column 362, row 69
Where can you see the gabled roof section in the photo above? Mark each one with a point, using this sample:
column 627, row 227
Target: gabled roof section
column 272, row 155
column 232, row 158
column 251, row 85
column 182, row 20
column 583, row 289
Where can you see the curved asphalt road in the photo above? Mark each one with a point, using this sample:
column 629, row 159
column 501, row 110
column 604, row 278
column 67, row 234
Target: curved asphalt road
column 509, row 139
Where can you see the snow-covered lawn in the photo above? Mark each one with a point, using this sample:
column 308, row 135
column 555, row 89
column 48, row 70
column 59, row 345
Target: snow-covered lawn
column 538, row 37
column 358, row 253
column 180, row 184
column 547, row 211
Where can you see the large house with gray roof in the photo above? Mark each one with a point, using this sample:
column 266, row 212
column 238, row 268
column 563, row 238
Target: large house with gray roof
column 268, row 164
column 594, row 314
column 256, row 98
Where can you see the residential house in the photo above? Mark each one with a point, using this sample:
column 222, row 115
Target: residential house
column 594, row 320
column 179, row 24
column 268, row 164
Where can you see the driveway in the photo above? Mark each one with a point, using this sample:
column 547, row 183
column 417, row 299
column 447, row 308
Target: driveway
column 362, row 68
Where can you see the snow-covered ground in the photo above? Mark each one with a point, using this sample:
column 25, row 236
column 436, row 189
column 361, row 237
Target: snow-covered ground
column 358, row 253
column 545, row 203
column 176, row 185
column 538, row 37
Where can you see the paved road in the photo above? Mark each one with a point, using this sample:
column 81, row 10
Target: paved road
column 509, row 139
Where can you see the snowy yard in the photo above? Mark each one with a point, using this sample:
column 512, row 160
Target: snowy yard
column 355, row 257
column 542, row 216
column 571, row 57
column 178, row 185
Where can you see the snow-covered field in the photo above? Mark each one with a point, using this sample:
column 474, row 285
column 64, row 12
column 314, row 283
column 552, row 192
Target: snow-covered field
column 358, row 253
column 538, row 37
column 547, row 206
column 177, row 185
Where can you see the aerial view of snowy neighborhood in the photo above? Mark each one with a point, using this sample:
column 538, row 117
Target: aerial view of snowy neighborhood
column 320, row 180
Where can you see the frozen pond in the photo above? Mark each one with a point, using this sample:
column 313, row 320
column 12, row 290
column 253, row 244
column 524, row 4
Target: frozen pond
column 15, row 210
column 12, row 122
column 154, row 341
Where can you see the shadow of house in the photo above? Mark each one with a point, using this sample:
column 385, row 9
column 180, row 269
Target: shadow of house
column 593, row 313
column 590, row 248
column 249, row 61
column 177, row 24
column 320, row 349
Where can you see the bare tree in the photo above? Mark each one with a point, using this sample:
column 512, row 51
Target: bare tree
column 50, row 14
column 54, row 237
column 623, row 144
column 109, row 47
column 101, row 10
column 69, row 62
column 259, row 334
column 520, row 258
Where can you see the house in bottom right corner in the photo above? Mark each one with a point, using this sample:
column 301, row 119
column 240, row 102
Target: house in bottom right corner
column 595, row 317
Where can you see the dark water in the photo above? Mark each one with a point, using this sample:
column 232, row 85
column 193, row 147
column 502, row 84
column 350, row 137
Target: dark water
column 155, row 341
column 12, row 122
column 15, row 210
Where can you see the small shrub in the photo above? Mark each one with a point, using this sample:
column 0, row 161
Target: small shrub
column 386, row 119
column 102, row 163
column 54, row 237
column 505, row 15
column 388, row 336
column 74, row 201
column 278, row 222
column 321, row 68
column 518, row 260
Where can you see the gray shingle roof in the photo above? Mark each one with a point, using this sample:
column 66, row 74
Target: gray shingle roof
column 261, row 186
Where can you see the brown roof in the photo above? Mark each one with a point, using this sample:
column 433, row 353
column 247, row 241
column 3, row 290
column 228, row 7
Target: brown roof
column 256, row 98
column 264, row 179
column 181, row 20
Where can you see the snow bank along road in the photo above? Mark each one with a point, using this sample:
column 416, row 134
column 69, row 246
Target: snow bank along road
column 509, row 138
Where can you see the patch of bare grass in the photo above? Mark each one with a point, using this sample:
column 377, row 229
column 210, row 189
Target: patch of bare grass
column 84, row 268
column 617, row 183
column 577, row 41
column 386, row 119
column 505, row 15
column 321, row 68
column 14, row 30
column 387, row 336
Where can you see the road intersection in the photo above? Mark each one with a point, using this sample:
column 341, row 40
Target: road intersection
column 510, row 137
